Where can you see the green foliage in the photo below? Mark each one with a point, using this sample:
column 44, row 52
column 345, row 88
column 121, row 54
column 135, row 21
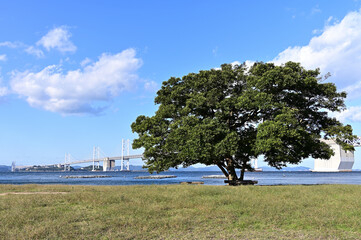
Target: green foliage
column 230, row 115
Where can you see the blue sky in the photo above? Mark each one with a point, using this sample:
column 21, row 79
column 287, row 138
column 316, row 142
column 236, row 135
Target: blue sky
column 76, row 74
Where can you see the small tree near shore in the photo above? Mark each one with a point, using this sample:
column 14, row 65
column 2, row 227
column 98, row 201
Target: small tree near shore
column 228, row 116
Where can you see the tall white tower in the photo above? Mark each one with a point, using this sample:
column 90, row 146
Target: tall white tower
column 13, row 167
column 125, row 161
column 342, row 161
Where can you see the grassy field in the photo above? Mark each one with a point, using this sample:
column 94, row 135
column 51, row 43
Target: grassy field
column 180, row 212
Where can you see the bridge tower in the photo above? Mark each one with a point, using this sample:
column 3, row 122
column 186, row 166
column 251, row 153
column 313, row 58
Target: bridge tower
column 125, row 143
column 67, row 162
column 256, row 169
column 128, row 148
column 13, row 167
column 96, row 155
column 108, row 164
column 342, row 161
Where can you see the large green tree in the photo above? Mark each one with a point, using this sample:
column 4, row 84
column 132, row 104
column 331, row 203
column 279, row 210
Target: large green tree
column 228, row 116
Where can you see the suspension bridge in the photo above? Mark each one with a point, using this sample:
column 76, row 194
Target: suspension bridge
column 98, row 157
column 341, row 161
column 108, row 162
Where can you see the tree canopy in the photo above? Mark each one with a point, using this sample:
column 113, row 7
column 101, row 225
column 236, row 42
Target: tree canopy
column 229, row 116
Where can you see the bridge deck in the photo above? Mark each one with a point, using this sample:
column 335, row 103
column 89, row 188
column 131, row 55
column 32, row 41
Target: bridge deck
column 103, row 159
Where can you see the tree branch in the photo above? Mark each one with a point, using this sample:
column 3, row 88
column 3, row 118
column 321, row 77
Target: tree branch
column 223, row 169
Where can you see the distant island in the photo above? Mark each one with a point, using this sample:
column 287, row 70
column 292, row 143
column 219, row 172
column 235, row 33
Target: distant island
column 4, row 168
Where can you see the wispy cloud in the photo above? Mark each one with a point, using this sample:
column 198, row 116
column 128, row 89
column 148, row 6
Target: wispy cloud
column 57, row 38
column 11, row 44
column 85, row 90
column 3, row 57
column 215, row 51
column 151, row 86
column 85, row 62
column 3, row 90
column 34, row 51
column 352, row 114
column 316, row 9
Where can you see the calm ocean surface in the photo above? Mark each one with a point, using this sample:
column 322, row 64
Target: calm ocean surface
column 127, row 178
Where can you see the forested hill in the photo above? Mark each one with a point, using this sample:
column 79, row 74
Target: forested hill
column 4, row 168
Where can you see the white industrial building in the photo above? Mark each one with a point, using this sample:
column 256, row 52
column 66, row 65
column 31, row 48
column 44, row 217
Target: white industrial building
column 341, row 161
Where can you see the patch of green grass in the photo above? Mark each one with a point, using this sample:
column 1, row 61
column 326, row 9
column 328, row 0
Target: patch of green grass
column 181, row 212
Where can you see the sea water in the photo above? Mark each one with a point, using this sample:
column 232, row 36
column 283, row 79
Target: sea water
column 128, row 178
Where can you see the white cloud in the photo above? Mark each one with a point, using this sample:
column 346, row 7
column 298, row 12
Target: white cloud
column 237, row 63
column 28, row 49
column 352, row 114
column 248, row 64
column 315, row 9
column 57, row 38
column 3, row 90
column 330, row 19
column 215, row 51
column 337, row 50
column 84, row 90
column 34, row 51
column 11, row 44
column 85, row 62
column 151, row 86
column 3, row 57
column 316, row 31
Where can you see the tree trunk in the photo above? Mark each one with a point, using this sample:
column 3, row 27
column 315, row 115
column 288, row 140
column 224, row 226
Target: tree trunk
column 243, row 169
column 231, row 170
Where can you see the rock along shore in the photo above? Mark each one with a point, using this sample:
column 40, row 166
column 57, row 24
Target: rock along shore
column 155, row 177
column 214, row 176
column 87, row 176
